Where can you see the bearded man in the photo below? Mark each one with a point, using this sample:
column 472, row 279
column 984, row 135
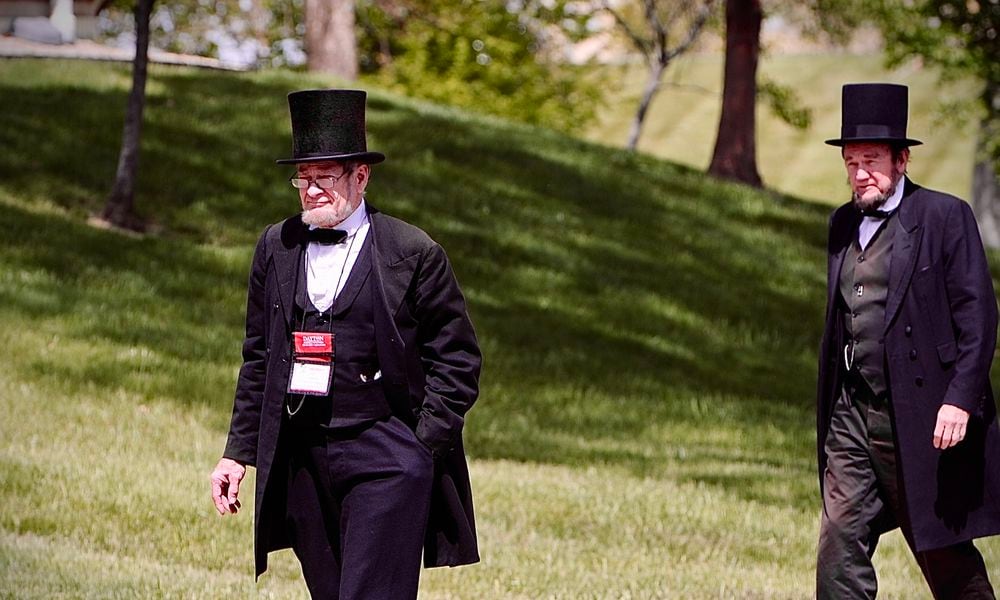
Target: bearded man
column 907, row 426
column 359, row 364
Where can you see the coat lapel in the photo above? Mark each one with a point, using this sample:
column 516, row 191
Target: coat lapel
column 904, row 252
column 394, row 272
column 391, row 277
column 842, row 235
column 287, row 256
column 356, row 280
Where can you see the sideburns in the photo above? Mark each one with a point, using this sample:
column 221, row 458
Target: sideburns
column 897, row 174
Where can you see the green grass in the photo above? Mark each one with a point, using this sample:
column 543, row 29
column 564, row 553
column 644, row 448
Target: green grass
column 646, row 424
column 684, row 118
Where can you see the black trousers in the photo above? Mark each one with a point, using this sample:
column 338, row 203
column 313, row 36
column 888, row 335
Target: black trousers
column 358, row 502
column 862, row 499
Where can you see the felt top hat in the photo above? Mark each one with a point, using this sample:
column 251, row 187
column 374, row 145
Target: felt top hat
column 873, row 112
column 329, row 125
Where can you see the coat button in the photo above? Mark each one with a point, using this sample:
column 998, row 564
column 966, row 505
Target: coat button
column 908, row 331
column 913, row 354
column 919, row 381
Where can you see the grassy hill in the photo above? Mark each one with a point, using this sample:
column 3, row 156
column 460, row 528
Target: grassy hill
column 684, row 118
column 645, row 426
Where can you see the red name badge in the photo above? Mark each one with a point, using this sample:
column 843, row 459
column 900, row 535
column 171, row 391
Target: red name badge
column 307, row 342
column 312, row 365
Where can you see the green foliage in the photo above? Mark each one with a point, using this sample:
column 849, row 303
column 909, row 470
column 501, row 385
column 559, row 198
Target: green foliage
column 784, row 102
column 485, row 55
column 963, row 39
column 835, row 21
column 491, row 56
column 255, row 33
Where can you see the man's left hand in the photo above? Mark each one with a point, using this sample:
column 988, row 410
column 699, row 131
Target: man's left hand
column 950, row 427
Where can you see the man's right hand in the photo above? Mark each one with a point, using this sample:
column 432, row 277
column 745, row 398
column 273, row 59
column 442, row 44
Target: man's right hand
column 226, row 480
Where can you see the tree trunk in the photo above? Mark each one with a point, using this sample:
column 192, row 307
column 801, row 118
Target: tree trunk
column 331, row 42
column 118, row 209
column 735, row 155
column 986, row 189
column 652, row 86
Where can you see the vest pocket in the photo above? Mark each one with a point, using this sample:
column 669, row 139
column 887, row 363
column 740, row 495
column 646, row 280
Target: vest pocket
column 357, row 376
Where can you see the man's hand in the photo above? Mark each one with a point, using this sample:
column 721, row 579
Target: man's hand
column 950, row 427
column 226, row 480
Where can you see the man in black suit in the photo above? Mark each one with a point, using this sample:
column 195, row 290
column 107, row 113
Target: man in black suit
column 907, row 427
column 359, row 364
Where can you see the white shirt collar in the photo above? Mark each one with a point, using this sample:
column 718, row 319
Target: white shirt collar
column 328, row 266
column 870, row 225
column 897, row 195
column 357, row 218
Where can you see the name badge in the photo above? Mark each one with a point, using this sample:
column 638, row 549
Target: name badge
column 312, row 363
column 310, row 378
column 309, row 342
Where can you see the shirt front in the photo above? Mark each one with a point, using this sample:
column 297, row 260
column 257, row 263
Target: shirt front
column 328, row 266
column 869, row 225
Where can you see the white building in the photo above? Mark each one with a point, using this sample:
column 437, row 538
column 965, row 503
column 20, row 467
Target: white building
column 50, row 21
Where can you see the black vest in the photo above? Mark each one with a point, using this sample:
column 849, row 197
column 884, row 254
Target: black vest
column 356, row 394
column 864, row 289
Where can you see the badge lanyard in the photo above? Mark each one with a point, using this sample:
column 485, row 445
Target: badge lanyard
column 313, row 352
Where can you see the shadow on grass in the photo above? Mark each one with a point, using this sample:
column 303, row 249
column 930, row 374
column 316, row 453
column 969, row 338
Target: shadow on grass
column 608, row 289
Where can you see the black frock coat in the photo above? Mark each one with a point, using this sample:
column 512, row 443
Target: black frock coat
column 940, row 335
column 428, row 355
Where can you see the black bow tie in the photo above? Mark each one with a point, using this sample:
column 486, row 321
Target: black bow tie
column 326, row 236
column 877, row 214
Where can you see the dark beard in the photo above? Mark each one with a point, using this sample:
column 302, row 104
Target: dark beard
column 872, row 204
column 875, row 203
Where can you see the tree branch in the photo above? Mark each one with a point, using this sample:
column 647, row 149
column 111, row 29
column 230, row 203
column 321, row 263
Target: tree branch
column 659, row 33
column 640, row 42
column 696, row 26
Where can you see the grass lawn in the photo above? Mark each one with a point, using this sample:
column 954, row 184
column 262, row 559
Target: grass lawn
column 646, row 424
column 684, row 118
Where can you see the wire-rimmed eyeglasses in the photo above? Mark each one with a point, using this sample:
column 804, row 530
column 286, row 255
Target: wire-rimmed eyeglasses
column 323, row 182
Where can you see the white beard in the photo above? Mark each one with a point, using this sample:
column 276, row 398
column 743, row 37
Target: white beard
column 328, row 215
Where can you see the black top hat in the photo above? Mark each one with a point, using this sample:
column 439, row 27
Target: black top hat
column 873, row 112
column 329, row 125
